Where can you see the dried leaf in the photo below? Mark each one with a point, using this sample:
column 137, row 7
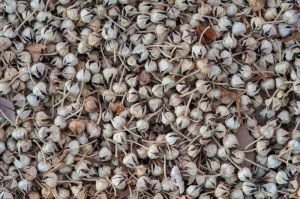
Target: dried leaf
column 295, row 36
column 244, row 138
column 144, row 78
column 208, row 34
column 257, row 5
column 176, row 176
column 7, row 109
column 35, row 51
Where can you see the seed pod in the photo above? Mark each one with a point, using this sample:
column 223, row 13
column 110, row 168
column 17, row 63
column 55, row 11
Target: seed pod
column 91, row 104
column 273, row 162
column 118, row 181
column 142, row 126
column 210, row 182
column 153, row 152
column 291, row 16
column 38, row 70
column 232, row 122
column 143, row 183
column 168, row 185
column 101, row 184
column 24, row 185
column 77, row 126
column 281, row 177
column 193, row 191
column 105, row 154
column 230, row 141
column 245, row 174
column 238, row 28
column 21, row 161
column 227, row 170
column 210, row 150
column 270, row 189
column 221, row 190
column 120, row 138
column 229, row 41
column 50, row 180
column 4, row 43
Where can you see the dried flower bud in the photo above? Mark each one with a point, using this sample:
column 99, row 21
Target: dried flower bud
column 118, row 181
column 77, row 126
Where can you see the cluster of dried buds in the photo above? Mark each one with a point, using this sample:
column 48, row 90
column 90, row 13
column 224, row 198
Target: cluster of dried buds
column 150, row 99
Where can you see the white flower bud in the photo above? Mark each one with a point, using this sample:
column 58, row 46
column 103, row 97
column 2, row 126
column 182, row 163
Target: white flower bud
column 273, row 162
column 291, row 16
column 193, row 191
column 142, row 125
column 50, row 179
column 238, row 28
column 24, row 185
column 229, row 41
column 156, row 170
column 130, row 160
column 224, row 23
column 270, row 189
column 61, row 192
column 70, row 60
column 269, row 30
column 232, row 122
column 154, row 104
column 119, row 181
column 21, row 161
column 249, row 188
column 285, row 29
column 118, row 122
column 142, row 183
column 237, row 194
column 83, row 75
column 281, row 177
column 236, row 81
column 210, row 150
column 143, row 21
column 157, row 16
column 257, row 23
column 153, row 152
column 168, row 185
column 210, row 183
column 109, row 31
column 165, row 66
column 172, row 138
column 221, row 190
column 245, row 174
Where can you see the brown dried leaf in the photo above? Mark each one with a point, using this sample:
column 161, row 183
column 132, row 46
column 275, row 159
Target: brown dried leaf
column 116, row 108
column 208, row 34
column 35, row 51
column 144, row 78
column 7, row 109
column 244, row 138
column 295, row 36
column 257, row 5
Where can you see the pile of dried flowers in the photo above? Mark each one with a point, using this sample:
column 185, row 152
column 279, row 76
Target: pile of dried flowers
column 149, row 99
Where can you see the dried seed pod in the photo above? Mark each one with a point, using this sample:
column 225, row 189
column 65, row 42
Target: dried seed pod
column 245, row 174
column 24, row 185
column 77, row 126
column 118, row 181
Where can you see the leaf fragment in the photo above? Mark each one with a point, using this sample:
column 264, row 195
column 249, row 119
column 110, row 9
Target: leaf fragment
column 7, row 109
column 208, row 34
column 35, row 51
column 176, row 176
column 244, row 139
column 295, row 36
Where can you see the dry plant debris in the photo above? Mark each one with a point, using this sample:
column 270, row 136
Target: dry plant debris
column 158, row 99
